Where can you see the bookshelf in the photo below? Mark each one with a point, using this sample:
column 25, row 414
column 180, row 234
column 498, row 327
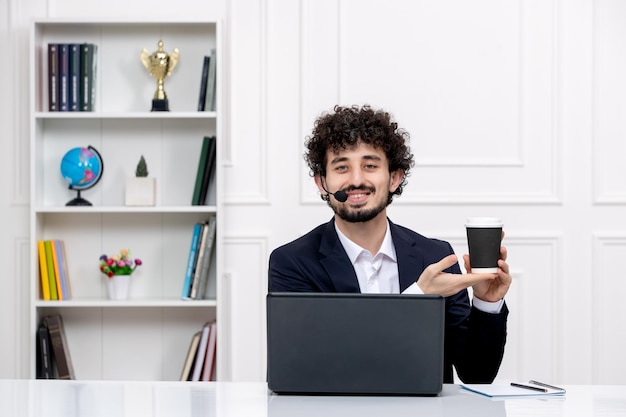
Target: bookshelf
column 147, row 336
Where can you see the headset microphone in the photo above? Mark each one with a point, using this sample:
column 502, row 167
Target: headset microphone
column 339, row 195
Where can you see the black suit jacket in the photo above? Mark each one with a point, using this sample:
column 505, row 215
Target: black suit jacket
column 317, row 262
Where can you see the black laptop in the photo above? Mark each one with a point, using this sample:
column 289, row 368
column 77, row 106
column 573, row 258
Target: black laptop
column 353, row 344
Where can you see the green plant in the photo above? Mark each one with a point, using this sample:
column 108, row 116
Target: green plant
column 142, row 168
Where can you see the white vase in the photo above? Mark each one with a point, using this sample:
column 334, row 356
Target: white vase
column 140, row 191
column 117, row 287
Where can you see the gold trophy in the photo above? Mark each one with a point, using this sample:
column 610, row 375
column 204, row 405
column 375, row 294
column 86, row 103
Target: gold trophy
column 159, row 64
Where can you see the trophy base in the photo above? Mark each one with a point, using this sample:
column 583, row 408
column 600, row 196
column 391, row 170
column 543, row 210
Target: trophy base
column 160, row 105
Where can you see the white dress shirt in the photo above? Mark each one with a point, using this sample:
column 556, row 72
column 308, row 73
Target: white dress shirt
column 378, row 274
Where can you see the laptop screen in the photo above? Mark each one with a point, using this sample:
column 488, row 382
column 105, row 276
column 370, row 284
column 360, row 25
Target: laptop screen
column 328, row 343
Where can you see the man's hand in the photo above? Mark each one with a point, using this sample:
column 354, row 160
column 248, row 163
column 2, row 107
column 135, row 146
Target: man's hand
column 434, row 281
column 492, row 290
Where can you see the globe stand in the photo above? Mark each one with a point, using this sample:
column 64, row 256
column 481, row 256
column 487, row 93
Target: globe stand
column 78, row 201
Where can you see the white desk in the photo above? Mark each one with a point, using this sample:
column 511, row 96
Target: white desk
column 38, row 398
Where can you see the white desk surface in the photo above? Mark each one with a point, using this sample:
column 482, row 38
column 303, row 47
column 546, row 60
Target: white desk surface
column 53, row 398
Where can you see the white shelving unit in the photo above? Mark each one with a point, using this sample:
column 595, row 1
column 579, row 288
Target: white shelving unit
column 147, row 336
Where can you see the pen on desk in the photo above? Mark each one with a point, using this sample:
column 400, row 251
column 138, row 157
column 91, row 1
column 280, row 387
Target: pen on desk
column 541, row 384
column 513, row 384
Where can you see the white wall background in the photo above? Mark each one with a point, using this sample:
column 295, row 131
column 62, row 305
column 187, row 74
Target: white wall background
column 514, row 107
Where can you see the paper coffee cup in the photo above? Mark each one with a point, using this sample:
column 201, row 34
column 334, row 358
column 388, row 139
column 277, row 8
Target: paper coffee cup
column 484, row 236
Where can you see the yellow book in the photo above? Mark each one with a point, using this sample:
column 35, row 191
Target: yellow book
column 43, row 270
column 57, row 274
column 51, row 278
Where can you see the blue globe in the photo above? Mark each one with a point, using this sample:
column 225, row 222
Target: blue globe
column 81, row 169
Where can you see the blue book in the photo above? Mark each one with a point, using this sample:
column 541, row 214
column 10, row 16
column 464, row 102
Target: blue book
column 191, row 262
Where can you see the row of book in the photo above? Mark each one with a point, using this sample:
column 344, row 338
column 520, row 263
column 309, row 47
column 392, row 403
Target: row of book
column 208, row 82
column 53, row 355
column 199, row 260
column 71, row 76
column 53, row 271
column 206, row 170
column 200, row 360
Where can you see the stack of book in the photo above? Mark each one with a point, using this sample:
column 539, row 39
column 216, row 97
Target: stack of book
column 53, row 354
column 53, row 270
column 206, row 99
column 72, row 76
column 206, row 170
column 199, row 260
column 200, row 360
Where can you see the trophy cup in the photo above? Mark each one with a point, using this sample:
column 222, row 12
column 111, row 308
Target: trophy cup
column 159, row 64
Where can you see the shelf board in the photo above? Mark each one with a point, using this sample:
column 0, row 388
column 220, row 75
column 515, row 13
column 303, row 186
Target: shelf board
column 105, row 303
column 125, row 115
column 125, row 209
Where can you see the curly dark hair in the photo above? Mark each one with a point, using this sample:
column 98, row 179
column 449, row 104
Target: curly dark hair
column 346, row 127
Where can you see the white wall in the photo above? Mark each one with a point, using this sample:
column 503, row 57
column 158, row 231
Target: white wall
column 514, row 110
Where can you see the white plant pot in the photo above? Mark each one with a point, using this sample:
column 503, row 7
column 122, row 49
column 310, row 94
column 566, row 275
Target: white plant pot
column 117, row 287
column 140, row 191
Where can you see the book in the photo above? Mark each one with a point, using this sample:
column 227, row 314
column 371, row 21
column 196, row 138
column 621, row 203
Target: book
column 204, row 153
column 199, row 260
column 206, row 261
column 88, row 73
column 209, row 169
column 65, row 274
column 57, row 274
column 202, row 348
column 44, row 355
column 74, row 77
column 61, row 269
column 203, row 83
column 60, row 348
column 209, row 359
column 191, row 260
column 64, row 76
column 185, row 375
column 53, row 73
column 50, row 267
column 43, row 270
column 212, row 82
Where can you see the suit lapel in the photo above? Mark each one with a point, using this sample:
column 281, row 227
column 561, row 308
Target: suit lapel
column 335, row 261
column 410, row 260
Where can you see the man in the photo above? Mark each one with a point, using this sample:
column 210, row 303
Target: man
column 358, row 155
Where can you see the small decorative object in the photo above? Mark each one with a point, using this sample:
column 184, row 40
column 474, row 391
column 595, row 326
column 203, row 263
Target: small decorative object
column 118, row 270
column 141, row 189
column 81, row 168
column 160, row 64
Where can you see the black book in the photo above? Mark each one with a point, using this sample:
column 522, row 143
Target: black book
column 44, row 355
column 64, row 77
column 53, row 77
column 203, row 83
column 209, row 169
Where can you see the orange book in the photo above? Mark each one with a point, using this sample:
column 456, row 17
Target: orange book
column 43, row 270
column 57, row 274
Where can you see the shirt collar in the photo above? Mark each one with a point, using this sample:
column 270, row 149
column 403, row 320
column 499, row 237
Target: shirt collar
column 353, row 250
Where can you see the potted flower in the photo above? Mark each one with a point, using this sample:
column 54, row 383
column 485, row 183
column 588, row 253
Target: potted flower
column 118, row 269
column 141, row 189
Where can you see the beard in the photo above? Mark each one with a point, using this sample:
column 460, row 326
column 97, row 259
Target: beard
column 352, row 215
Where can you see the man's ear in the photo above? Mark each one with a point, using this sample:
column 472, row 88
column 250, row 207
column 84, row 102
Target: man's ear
column 318, row 182
column 395, row 179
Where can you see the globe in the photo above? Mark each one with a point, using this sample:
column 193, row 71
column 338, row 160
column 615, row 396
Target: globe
column 81, row 169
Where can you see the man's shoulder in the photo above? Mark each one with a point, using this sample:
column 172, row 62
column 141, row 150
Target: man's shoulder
column 402, row 232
